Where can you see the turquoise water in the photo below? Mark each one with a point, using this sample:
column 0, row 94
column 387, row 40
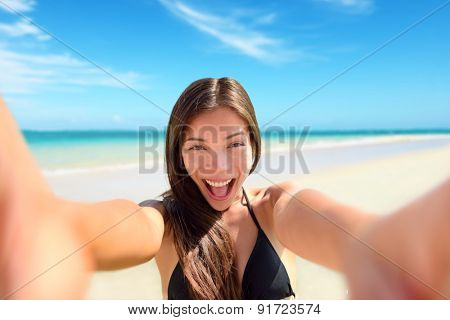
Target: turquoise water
column 65, row 151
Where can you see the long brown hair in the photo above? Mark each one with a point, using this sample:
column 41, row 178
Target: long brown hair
column 205, row 249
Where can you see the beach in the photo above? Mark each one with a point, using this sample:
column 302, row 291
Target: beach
column 378, row 175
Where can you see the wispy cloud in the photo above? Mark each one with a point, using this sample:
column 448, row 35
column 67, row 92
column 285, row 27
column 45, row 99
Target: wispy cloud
column 266, row 19
column 23, row 28
column 17, row 5
column 235, row 34
column 351, row 6
column 31, row 73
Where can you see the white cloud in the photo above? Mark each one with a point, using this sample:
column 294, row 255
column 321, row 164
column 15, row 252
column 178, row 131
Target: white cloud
column 231, row 32
column 17, row 5
column 30, row 73
column 36, row 72
column 23, row 28
column 116, row 118
column 266, row 19
column 351, row 6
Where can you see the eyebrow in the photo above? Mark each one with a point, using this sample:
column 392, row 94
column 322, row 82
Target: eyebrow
column 228, row 137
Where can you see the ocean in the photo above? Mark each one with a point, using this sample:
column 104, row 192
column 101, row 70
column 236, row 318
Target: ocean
column 68, row 152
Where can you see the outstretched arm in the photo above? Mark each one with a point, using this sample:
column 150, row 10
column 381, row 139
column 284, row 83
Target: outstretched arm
column 118, row 233
column 404, row 255
column 39, row 230
column 315, row 226
column 17, row 161
column 35, row 241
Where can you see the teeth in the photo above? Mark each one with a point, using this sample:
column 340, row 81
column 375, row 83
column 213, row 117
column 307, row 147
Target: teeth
column 218, row 184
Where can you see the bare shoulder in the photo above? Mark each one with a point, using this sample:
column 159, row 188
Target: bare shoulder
column 285, row 189
column 256, row 192
column 166, row 258
column 153, row 205
column 266, row 197
column 154, row 211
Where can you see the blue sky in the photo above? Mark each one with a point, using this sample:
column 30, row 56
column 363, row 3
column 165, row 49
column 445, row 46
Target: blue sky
column 279, row 50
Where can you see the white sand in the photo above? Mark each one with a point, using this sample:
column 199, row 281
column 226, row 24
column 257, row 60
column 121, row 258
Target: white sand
column 378, row 180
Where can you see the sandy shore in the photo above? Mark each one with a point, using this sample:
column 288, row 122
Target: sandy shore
column 379, row 178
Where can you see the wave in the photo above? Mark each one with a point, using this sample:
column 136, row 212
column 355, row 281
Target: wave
column 267, row 147
column 358, row 141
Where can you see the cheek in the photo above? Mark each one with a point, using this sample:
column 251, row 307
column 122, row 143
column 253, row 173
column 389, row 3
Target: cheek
column 189, row 164
column 243, row 161
column 248, row 161
column 199, row 163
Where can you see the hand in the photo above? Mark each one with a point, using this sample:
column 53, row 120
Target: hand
column 37, row 245
column 409, row 256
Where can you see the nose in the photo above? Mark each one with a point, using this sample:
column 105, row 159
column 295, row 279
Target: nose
column 220, row 163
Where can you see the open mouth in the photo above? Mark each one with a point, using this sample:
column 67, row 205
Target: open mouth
column 219, row 190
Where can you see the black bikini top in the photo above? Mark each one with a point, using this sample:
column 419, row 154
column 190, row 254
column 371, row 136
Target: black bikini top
column 265, row 277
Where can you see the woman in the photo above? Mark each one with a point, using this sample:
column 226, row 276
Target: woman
column 211, row 237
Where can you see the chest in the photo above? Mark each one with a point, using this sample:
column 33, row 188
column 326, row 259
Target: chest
column 246, row 238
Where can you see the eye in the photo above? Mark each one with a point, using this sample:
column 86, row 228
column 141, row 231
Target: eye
column 197, row 147
column 237, row 144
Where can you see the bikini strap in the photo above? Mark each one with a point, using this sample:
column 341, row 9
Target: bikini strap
column 250, row 209
column 252, row 214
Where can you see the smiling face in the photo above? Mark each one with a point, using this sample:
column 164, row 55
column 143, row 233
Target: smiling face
column 217, row 154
